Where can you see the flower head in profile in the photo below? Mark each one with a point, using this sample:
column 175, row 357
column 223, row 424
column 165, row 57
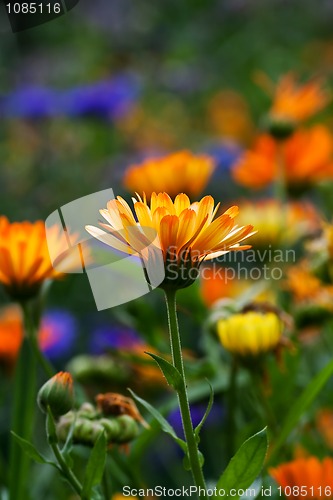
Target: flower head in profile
column 57, row 393
column 315, row 475
column 306, row 156
column 250, row 334
column 184, row 234
column 24, row 257
column 298, row 101
column 178, row 172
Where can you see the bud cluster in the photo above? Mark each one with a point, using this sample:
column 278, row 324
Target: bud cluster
column 89, row 421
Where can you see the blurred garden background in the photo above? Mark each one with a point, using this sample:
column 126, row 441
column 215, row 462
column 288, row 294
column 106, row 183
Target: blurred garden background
column 108, row 85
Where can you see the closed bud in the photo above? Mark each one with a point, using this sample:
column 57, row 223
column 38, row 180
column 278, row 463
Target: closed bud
column 57, row 394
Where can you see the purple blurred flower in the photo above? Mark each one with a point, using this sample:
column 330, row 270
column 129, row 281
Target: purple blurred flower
column 58, row 334
column 215, row 416
column 30, row 102
column 111, row 98
column 105, row 338
column 225, row 155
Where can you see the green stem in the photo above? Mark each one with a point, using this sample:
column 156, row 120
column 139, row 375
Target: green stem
column 23, row 415
column 67, row 472
column 280, row 184
column 52, row 439
column 177, row 358
column 105, row 482
column 32, row 334
column 231, row 399
column 265, row 405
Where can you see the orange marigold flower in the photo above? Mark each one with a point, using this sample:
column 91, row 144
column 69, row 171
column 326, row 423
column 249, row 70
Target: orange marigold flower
column 297, row 102
column 314, row 476
column 306, row 157
column 185, row 234
column 24, row 257
column 175, row 173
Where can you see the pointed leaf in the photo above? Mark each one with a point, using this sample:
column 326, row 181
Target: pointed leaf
column 165, row 426
column 95, row 467
column 172, row 375
column 301, row 404
column 245, row 466
column 31, row 451
column 209, row 407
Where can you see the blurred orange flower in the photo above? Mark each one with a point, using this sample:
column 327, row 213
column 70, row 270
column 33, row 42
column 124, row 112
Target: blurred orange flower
column 11, row 334
column 314, row 476
column 229, row 116
column 175, row 173
column 324, row 423
column 306, row 157
column 297, row 102
column 308, row 288
column 24, row 257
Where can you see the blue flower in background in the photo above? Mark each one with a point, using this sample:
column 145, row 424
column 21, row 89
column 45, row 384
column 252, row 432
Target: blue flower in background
column 215, row 417
column 30, row 102
column 225, row 155
column 110, row 99
column 105, row 338
column 58, row 334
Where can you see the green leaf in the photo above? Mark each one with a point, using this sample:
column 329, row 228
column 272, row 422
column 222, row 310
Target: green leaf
column 209, row 407
column 245, row 466
column 165, row 426
column 172, row 375
column 95, row 467
column 31, row 451
column 300, row 405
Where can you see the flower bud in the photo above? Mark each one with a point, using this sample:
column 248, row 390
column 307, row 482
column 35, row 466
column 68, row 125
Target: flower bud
column 57, row 393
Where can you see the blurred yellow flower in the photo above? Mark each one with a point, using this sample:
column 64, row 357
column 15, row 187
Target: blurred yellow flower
column 175, row 173
column 24, row 257
column 251, row 333
column 186, row 234
column 315, row 476
column 306, row 157
column 278, row 224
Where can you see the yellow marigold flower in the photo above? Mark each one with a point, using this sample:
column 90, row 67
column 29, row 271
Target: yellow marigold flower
column 306, row 157
column 175, row 173
column 24, row 257
column 120, row 496
column 277, row 224
column 298, row 102
column 314, row 476
column 185, row 234
column 251, row 333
